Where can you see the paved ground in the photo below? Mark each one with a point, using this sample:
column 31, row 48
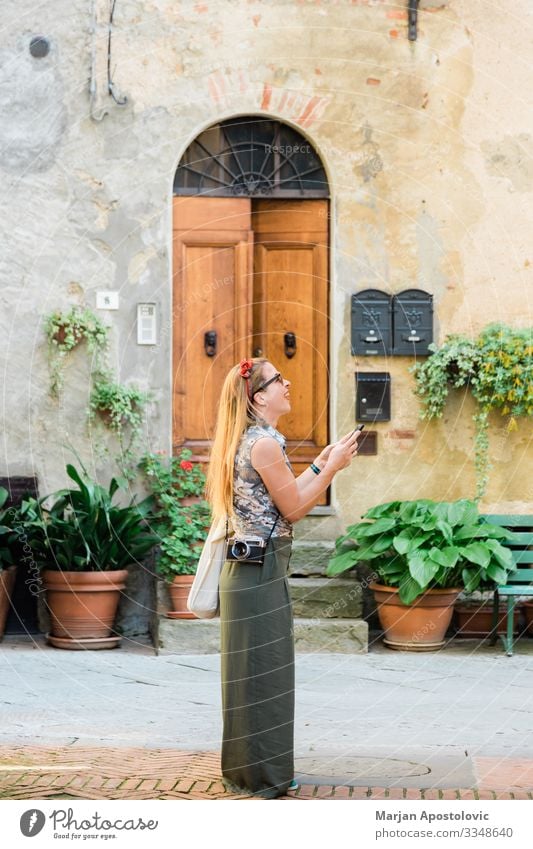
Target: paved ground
column 128, row 724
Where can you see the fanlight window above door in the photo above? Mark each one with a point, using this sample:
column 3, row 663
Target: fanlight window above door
column 251, row 157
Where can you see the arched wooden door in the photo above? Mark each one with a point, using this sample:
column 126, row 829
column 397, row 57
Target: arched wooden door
column 250, row 279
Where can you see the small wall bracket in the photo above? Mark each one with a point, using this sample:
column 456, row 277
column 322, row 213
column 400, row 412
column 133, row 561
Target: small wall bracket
column 412, row 13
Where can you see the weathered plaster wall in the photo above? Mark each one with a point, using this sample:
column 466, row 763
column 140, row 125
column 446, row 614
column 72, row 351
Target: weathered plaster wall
column 428, row 148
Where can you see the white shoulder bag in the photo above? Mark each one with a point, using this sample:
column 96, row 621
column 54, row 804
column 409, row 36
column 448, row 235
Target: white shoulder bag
column 203, row 598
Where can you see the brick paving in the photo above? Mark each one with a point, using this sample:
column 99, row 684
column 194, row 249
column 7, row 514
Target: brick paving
column 93, row 772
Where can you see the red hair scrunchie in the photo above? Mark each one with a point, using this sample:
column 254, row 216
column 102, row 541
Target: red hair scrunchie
column 245, row 372
column 246, row 368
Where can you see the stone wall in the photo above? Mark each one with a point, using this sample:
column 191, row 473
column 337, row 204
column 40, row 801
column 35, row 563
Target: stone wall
column 428, row 149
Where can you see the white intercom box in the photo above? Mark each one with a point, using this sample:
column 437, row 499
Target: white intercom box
column 146, row 324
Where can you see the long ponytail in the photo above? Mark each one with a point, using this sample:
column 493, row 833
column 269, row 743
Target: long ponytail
column 235, row 414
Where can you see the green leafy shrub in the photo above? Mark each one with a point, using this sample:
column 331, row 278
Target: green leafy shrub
column 424, row 544
column 182, row 529
column 83, row 530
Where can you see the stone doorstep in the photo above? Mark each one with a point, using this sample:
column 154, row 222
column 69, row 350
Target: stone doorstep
column 319, row 527
column 343, row 636
column 202, row 636
column 310, row 557
column 326, row 598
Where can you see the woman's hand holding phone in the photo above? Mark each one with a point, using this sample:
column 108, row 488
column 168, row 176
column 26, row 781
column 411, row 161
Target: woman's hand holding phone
column 344, row 450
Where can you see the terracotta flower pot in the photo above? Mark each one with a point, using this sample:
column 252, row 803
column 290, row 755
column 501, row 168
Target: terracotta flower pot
column 420, row 626
column 179, row 592
column 82, row 607
column 61, row 334
column 107, row 417
column 527, row 607
column 7, row 584
column 476, row 620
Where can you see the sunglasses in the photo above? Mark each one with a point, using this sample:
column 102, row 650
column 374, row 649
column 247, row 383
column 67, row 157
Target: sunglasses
column 277, row 377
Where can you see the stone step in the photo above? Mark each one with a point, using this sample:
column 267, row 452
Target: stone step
column 343, row 636
column 202, row 636
column 310, row 557
column 312, row 597
column 326, row 598
column 326, row 526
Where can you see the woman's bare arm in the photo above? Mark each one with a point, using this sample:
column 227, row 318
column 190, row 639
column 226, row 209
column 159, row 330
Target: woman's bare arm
column 294, row 501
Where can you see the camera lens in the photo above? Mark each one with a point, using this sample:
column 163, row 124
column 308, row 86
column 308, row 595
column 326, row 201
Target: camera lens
column 240, row 549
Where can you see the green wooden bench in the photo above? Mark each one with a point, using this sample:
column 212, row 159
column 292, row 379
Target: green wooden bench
column 519, row 583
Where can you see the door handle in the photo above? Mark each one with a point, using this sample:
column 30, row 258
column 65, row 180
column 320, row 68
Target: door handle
column 210, row 343
column 290, row 345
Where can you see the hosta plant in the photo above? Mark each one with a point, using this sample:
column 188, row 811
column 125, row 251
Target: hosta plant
column 424, row 544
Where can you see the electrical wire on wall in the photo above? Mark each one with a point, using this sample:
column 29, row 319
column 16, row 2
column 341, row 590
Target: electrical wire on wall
column 119, row 100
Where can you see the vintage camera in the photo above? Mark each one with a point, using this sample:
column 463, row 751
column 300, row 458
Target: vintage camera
column 242, row 548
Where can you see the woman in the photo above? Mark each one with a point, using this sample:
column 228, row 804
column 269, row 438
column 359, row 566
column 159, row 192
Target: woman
column 250, row 480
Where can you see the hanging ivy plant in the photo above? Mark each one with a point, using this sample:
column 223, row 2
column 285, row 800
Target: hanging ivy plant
column 64, row 332
column 496, row 367
column 121, row 409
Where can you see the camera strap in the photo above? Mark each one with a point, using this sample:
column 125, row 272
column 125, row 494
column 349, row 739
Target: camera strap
column 273, row 526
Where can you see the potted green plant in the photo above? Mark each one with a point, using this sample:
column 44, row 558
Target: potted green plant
column 84, row 544
column 121, row 409
column 8, row 568
column 67, row 329
column 181, row 543
column 423, row 553
column 496, row 367
column 182, row 522
column 175, row 476
column 527, row 609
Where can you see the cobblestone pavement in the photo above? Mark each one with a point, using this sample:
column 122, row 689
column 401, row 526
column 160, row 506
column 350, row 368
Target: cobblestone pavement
column 91, row 772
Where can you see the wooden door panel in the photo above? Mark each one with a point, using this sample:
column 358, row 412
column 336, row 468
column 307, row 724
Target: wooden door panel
column 291, row 295
column 286, row 216
column 212, row 292
column 282, row 306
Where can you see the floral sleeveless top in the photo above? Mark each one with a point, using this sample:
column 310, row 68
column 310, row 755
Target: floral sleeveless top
column 255, row 512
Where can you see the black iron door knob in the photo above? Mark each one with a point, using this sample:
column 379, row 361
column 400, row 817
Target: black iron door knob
column 290, row 345
column 210, row 343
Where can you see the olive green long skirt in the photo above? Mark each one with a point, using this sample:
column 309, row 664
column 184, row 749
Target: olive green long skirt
column 257, row 670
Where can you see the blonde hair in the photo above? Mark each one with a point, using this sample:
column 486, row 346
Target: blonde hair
column 235, row 414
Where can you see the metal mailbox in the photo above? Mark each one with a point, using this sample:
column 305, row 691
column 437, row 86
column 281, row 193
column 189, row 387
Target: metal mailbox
column 412, row 321
column 371, row 323
column 372, row 396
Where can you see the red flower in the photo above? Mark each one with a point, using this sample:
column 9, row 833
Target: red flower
column 186, row 465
